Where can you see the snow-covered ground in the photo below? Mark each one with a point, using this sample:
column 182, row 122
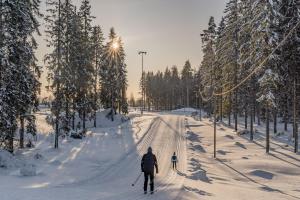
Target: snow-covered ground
column 104, row 164
column 242, row 169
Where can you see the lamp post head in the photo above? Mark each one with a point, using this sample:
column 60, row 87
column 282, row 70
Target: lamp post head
column 142, row 52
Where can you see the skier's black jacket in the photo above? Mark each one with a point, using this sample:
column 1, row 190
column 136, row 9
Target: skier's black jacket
column 148, row 163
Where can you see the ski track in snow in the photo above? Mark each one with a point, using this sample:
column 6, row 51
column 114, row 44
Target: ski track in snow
column 239, row 170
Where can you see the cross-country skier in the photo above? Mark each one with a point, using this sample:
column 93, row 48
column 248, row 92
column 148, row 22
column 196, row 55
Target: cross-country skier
column 148, row 163
column 174, row 161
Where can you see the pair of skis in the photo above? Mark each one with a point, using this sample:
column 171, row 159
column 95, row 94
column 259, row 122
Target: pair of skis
column 137, row 179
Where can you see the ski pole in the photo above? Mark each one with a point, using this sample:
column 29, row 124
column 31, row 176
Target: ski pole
column 136, row 180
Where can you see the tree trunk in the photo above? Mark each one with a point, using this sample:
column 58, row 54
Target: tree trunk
column 73, row 115
column 95, row 119
column 235, row 113
column 267, row 130
column 67, row 111
column 254, row 109
column 246, row 118
column 58, row 103
column 258, row 114
column 83, row 119
column 11, row 141
column 229, row 111
column 275, row 121
column 22, row 132
column 295, row 125
column 251, row 123
column 221, row 107
column 252, row 117
column 286, row 113
column 56, row 132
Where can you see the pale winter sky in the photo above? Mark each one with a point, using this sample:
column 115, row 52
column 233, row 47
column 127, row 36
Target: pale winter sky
column 169, row 30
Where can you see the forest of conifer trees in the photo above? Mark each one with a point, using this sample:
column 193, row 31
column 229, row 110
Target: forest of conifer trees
column 83, row 70
column 250, row 68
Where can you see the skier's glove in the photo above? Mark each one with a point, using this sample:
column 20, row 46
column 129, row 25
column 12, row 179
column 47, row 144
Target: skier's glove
column 157, row 171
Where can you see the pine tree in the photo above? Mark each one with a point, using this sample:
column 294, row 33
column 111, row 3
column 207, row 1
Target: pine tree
column 97, row 46
column 248, row 90
column 113, row 75
column 54, row 60
column 207, row 66
column 220, row 58
column 132, row 101
column 85, row 73
column 176, row 87
column 187, row 77
column 268, row 84
column 289, row 16
column 67, row 86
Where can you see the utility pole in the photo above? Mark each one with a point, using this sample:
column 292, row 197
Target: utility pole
column 143, row 81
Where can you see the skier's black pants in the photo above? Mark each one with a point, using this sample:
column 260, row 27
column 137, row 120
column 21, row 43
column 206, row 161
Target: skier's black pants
column 174, row 165
column 147, row 174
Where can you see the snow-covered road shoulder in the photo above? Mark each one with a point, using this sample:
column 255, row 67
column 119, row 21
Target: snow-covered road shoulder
column 242, row 168
column 77, row 161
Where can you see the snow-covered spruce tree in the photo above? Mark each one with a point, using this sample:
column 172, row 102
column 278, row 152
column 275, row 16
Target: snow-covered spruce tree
column 19, row 78
column 263, row 39
column 97, row 46
column 142, row 87
column 289, row 17
column 249, row 89
column 231, row 66
column 122, row 78
column 55, row 60
column 167, row 89
column 207, row 66
column 67, row 83
column 175, row 82
column 75, row 59
column 7, row 115
column 220, row 58
column 85, row 72
column 198, row 88
column 148, row 89
column 268, row 83
column 113, row 74
column 187, row 80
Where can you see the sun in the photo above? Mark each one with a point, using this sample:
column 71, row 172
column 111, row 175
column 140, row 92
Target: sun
column 115, row 46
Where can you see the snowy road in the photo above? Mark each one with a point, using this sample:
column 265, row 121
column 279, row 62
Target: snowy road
column 105, row 164
column 166, row 135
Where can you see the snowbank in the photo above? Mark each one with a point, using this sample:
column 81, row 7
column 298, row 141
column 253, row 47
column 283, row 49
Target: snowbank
column 185, row 110
column 28, row 170
column 105, row 121
column 6, row 159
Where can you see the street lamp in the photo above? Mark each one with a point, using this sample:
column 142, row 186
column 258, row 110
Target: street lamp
column 142, row 53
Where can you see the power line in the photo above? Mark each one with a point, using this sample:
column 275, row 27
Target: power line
column 259, row 66
column 251, row 74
